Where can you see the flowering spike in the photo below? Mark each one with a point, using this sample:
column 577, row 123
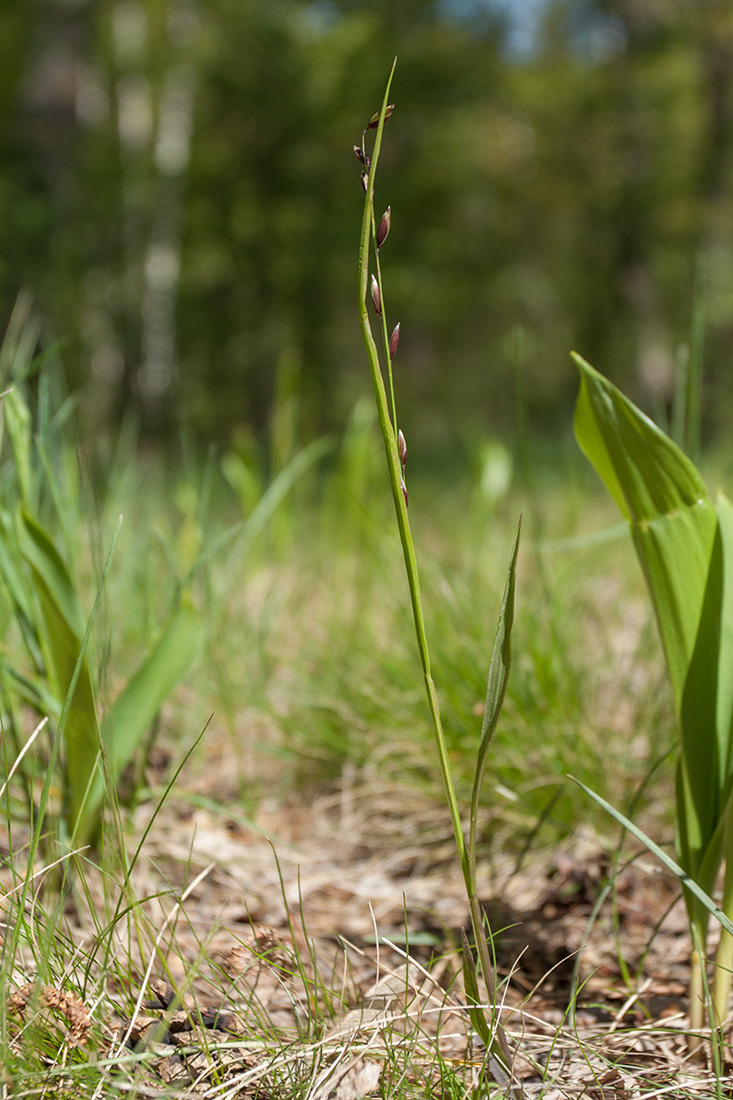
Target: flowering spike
column 402, row 448
column 383, row 228
column 374, row 120
column 365, row 181
column 403, row 487
column 394, row 340
column 376, row 297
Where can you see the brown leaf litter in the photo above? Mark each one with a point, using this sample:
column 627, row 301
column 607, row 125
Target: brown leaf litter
column 69, row 1006
column 355, row 923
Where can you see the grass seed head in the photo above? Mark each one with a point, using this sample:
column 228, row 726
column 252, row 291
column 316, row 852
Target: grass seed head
column 374, row 120
column 394, row 340
column 376, row 297
column 402, row 447
column 383, row 228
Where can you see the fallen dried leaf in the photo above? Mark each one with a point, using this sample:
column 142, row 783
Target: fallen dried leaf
column 352, row 1082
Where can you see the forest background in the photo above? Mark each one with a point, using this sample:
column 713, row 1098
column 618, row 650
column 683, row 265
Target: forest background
column 179, row 193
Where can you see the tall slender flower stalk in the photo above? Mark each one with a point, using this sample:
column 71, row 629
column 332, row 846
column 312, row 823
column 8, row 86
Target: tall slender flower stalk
column 484, row 1017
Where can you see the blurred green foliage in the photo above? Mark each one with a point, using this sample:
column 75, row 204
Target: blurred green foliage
column 178, row 189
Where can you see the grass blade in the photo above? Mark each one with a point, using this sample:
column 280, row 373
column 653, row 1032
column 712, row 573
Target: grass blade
column 501, row 659
column 144, row 695
column 688, row 883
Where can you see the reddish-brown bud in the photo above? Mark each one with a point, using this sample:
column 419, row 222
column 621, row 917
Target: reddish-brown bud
column 376, row 297
column 402, row 448
column 383, row 228
column 365, row 181
column 403, row 487
column 361, row 156
column 374, row 120
column 394, row 340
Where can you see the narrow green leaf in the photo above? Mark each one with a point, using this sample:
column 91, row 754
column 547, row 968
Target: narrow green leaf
column 140, row 701
column 473, row 997
column 282, row 484
column 31, row 691
column 501, row 659
column 18, row 424
column 688, row 883
column 268, row 503
column 493, row 1039
column 17, row 589
column 61, row 640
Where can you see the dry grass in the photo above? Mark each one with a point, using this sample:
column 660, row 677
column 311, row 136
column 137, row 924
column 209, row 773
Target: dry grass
column 332, row 970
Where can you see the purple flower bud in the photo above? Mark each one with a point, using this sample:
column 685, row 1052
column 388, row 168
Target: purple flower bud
column 365, row 181
column 403, row 487
column 383, row 228
column 394, row 340
column 361, row 156
column 374, row 120
column 402, row 447
column 376, row 297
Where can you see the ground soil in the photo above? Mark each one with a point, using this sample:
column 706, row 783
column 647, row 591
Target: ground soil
column 362, row 887
column 573, row 927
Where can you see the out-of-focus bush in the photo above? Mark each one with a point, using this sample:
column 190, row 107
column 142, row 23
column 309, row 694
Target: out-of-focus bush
column 180, row 193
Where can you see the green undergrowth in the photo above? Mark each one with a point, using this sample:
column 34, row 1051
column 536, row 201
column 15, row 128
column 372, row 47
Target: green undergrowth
column 305, row 680
column 586, row 673
column 306, row 664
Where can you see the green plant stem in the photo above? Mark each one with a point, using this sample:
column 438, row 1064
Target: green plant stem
column 395, row 478
column 495, row 1039
column 724, row 954
column 697, row 1000
column 385, row 327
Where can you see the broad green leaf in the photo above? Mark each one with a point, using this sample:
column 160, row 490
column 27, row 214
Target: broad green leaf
column 724, row 508
column 645, row 472
column 662, row 496
column 676, row 534
column 40, row 552
column 63, row 627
